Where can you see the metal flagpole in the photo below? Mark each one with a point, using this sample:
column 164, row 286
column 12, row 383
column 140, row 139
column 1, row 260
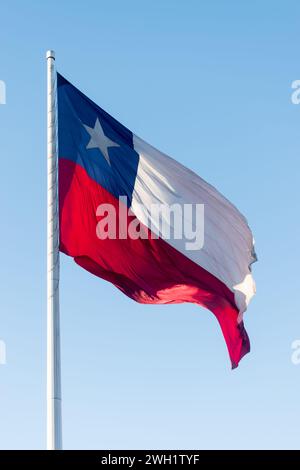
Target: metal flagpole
column 54, row 422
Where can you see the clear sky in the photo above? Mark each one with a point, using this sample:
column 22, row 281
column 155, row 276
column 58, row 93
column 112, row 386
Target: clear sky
column 209, row 83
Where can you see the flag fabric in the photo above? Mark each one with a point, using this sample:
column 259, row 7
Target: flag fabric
column 102, row 164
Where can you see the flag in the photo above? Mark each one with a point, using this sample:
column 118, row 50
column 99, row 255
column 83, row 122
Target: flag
column 139, row 219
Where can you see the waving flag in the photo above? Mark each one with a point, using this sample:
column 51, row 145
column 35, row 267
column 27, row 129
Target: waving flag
column 106, row 172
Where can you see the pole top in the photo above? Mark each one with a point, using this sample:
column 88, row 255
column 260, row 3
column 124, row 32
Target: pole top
column 50, row 54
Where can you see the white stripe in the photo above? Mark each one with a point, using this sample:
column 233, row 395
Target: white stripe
column 228, row 243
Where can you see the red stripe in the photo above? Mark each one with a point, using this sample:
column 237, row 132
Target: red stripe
column 147, row 270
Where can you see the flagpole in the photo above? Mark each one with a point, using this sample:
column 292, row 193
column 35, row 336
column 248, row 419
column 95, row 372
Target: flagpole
column 54, row 421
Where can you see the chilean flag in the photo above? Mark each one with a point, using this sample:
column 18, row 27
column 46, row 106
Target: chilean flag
column 103, row 164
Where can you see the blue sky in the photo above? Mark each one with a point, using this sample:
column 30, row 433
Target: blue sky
column 209, row 83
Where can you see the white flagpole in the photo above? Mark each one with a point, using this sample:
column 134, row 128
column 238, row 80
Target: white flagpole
column 54, row 422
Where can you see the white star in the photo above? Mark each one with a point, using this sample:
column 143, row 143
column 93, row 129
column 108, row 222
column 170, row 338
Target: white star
column 99, row 140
